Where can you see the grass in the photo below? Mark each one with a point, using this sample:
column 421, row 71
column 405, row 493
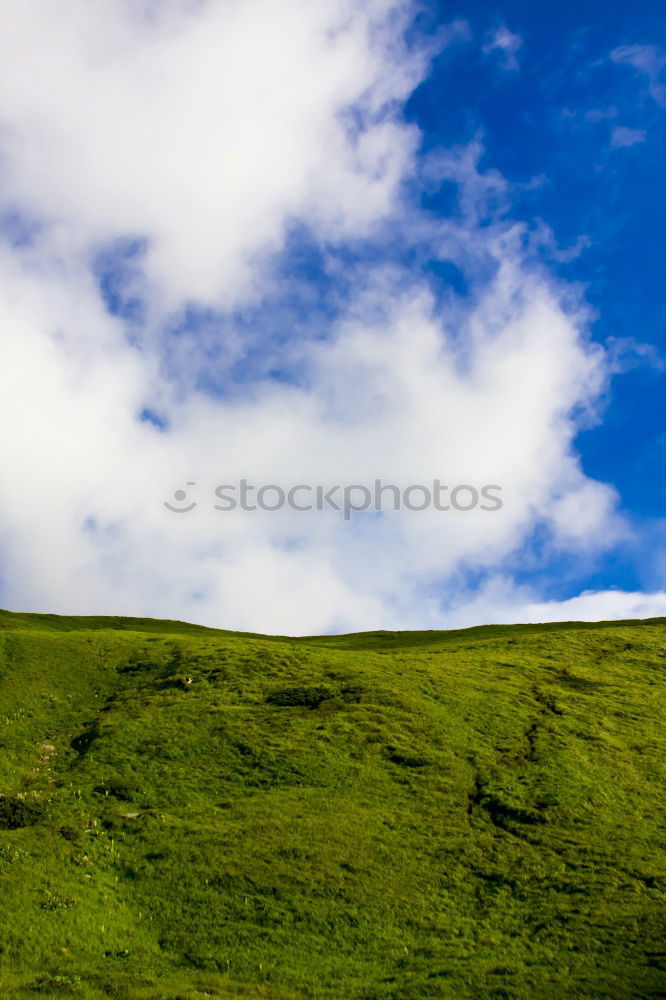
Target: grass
column 187, row 812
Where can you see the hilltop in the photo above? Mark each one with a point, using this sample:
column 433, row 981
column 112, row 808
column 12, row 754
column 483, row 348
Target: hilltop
column 188, row 812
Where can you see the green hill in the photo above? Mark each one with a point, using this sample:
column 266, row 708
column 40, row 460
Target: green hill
column 187, row 812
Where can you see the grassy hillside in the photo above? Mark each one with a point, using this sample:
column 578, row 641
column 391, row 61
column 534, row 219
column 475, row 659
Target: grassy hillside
column 187, row 813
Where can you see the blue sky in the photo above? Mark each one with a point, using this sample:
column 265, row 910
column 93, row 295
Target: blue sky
column 344, row 242
column 553, row 118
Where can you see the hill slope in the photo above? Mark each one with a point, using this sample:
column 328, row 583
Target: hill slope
column 473, row 814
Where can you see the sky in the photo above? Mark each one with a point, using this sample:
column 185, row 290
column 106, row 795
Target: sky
column 327, row 244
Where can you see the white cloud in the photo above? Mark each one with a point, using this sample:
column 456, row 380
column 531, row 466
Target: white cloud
column 392, row 398
column 622, row 136
column 502, row 603
column 649, row 61
column 600, row 114
column 207, row 129
column 507, row 44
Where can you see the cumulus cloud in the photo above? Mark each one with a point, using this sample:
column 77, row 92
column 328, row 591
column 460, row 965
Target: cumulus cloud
column 203, row 128
column 180, row 144
column 500, row 602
